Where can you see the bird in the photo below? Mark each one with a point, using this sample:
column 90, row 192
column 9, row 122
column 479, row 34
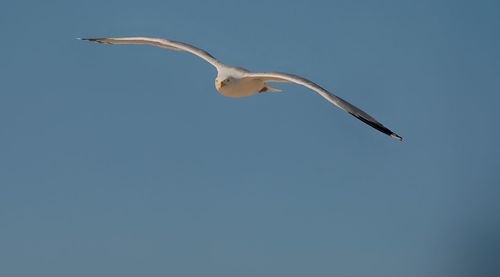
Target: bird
column 238, row 82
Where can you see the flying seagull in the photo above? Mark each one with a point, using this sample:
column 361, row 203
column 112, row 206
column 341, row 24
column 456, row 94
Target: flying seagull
column 238, row 82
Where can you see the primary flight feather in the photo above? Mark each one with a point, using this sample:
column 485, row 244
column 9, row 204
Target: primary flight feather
column 238, row 82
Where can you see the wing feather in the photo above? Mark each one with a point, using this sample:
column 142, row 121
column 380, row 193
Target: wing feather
column 337, row 101
column 163, row 43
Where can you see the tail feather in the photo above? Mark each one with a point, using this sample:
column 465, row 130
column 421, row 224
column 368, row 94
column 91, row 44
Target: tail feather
column 273, row 89
column 269, row 88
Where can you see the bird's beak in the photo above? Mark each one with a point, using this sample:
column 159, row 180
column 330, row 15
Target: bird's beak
column 219, row 84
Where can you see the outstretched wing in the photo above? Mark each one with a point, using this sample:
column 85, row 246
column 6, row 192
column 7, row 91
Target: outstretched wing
column 337, row 101
column 163, row 43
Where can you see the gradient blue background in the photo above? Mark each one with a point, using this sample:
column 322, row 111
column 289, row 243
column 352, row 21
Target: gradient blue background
column 125, row 161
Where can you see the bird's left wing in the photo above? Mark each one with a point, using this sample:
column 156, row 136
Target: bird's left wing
column 337, row 101
column 163, row 43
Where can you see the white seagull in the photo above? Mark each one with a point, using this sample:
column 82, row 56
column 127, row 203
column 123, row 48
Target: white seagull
column 238, row 82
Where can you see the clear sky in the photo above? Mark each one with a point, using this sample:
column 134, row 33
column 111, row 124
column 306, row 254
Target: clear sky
column 125, row 161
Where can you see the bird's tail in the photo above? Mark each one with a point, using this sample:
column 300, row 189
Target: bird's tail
column 269, row 88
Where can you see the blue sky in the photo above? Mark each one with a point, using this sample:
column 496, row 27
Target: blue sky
column 125, row 161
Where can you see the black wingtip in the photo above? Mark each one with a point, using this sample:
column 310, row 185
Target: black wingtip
column 98, row 40
column 379, row 127
column 396, row 136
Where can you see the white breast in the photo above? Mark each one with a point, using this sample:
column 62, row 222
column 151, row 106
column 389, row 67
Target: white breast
column 242, row 87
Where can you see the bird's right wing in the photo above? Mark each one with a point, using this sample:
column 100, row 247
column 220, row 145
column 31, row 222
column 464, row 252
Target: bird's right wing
column 163, row 43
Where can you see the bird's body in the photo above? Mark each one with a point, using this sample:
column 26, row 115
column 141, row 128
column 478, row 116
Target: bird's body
column 240, row 87
column 238, row 82
column 229, row 82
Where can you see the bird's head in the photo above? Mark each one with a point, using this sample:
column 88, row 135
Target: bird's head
column 221, row 82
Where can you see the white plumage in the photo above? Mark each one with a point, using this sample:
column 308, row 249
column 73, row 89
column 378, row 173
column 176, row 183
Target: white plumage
column 239, row 82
